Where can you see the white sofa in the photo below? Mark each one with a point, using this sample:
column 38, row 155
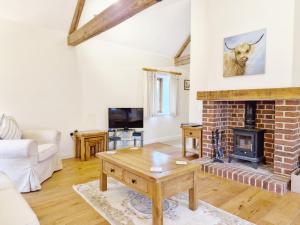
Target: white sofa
column 32, row 159
column 14, row 210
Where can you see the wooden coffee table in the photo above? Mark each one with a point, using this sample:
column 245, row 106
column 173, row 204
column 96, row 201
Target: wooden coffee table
column 132, row 168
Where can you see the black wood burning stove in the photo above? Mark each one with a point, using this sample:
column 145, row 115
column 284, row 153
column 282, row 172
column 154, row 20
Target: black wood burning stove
column 248, row 142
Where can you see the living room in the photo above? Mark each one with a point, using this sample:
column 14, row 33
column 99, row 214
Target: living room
column 65, row 65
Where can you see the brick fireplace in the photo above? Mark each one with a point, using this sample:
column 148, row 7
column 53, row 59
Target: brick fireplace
column 277, row 112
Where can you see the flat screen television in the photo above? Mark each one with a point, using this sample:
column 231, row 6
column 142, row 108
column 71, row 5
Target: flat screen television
column 125, row 118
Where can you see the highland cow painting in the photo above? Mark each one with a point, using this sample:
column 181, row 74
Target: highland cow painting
column 245, row 54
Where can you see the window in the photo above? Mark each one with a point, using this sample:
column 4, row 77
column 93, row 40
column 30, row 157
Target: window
column 159, row 93
column 162, row 94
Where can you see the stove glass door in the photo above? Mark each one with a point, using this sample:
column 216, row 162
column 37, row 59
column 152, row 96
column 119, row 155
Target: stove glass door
column 244, row 142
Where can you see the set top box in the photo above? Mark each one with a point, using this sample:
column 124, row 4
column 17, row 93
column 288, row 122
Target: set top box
column 125, row 118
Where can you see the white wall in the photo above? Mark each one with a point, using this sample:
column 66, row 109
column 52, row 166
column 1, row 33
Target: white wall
column 46, row 84
column 296, row 77
column 112, row 76
column 198, row 47
column 39, row 81
column 212, row 20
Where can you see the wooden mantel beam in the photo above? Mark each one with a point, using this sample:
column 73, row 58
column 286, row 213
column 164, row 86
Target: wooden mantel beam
column 251, row 94
column 110, row 17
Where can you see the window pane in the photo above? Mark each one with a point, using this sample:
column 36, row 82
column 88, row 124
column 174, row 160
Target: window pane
column 162, row 94
column 159, row 89
column 166, row 94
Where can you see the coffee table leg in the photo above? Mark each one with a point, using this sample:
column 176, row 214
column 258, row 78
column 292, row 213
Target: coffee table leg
column 157, row 205
column 103, row 178
column 193, row 200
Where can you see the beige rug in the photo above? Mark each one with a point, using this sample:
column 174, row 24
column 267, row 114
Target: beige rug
column 122, row 206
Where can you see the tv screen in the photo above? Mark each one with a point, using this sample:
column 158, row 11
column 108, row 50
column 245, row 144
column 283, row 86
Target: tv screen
column 125, row 118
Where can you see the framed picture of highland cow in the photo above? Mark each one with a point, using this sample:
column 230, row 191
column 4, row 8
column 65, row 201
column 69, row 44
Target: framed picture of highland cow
column 245, row 54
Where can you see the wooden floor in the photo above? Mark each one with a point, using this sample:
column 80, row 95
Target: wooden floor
column 57, row 203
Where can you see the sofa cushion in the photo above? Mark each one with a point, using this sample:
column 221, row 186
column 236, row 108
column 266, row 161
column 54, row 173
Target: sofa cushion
column 5, row 183
column 14, row 210
column 9, row 128
column 45, row 151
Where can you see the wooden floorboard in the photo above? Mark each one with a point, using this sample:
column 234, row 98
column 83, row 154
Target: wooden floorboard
column 57, row 203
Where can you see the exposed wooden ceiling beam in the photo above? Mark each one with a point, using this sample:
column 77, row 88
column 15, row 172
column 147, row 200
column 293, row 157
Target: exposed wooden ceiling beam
column 110, row 17
column 182, row 60
column 77, row 15
column 183, row 47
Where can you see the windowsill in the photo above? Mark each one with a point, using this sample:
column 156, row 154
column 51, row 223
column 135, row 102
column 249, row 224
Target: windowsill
column 162, row 114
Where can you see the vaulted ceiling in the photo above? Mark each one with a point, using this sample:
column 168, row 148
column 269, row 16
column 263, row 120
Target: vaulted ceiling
column 161, row 29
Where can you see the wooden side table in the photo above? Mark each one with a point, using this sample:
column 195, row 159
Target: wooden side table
column 87, row 140
column 196, row 134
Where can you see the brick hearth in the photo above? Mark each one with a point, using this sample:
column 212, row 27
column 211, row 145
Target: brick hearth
column 266, row 181
column 227, row 115
column 279, row 118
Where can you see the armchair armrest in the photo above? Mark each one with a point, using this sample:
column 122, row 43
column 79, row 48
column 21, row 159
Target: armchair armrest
column 13, row 149
column 42, row 136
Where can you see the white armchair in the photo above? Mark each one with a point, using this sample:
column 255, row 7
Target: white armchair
column 31, row 160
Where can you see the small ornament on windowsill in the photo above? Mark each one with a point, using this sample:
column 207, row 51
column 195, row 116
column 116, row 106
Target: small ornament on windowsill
column 216, row 143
